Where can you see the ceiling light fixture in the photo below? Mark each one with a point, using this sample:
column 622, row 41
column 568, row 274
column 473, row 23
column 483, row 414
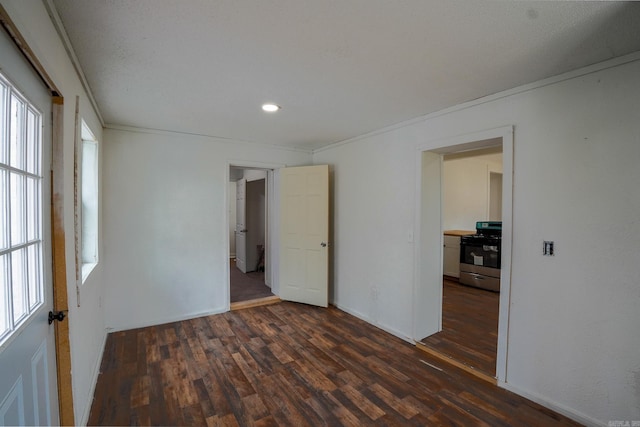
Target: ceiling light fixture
column 270, row 108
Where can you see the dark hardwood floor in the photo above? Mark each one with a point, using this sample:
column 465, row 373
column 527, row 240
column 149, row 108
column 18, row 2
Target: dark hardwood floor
column 469, row 326
column 291, row 364
column 247, row 286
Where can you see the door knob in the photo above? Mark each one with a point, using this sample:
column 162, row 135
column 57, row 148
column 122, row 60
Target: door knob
column 323, row 244
column 56, row 315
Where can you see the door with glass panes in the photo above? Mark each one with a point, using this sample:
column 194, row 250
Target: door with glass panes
column 28, row 391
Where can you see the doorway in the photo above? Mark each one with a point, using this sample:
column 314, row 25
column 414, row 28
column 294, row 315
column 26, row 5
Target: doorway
column 248, row 204
column 429, row 295
column 471, row 192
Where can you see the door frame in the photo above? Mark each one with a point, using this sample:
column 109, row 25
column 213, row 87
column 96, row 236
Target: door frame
column 272, row 213
column 59, row 263
column 422, row 281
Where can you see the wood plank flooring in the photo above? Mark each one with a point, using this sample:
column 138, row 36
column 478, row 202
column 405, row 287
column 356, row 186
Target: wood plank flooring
column 469, row 327
column 292, row 365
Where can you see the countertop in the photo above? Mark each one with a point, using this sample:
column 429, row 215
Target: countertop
column 458, row 232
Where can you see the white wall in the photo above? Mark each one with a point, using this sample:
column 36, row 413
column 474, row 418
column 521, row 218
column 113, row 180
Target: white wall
column 465, row 191
column 373, row 219
column 573, row 334
column 166, row 224
column 573, row 340
column 86, row 323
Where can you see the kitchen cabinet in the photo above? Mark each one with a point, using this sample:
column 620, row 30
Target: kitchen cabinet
column 451, row 256
column 451, row 253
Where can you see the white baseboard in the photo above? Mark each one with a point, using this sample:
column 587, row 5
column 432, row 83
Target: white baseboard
column 557, row 407
column 162, row 321
column 385, row 328
column 94, row 381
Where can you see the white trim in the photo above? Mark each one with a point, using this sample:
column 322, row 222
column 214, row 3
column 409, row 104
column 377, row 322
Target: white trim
column 417, row 230
column 169, row 319
column 87, row 162
column 87, row 268
column 274, row 230
column 225, row 139
column 94, row 381
column 466, row 142
column 611, row 63
column 557, row 407
column 506, row 251
column 370, row 321
column 245, row 164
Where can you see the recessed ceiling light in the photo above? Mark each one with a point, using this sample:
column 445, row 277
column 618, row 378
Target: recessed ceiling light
column 270, row 108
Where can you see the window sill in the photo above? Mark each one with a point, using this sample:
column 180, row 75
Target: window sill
column 87, row 269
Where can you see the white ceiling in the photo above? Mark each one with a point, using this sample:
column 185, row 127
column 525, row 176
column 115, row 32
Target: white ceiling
column 338, row 68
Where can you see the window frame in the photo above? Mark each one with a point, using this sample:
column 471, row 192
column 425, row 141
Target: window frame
column 28, row 172
column 87, row 259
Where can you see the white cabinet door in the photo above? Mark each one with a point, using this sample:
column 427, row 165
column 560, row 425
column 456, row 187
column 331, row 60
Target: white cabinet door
column 304, row 229
column 451, row 256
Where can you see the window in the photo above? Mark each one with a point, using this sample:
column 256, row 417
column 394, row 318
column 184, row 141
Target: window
column 88, row 189
column 21, row 267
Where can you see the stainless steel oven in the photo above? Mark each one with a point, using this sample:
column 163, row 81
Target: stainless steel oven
column 480, row 256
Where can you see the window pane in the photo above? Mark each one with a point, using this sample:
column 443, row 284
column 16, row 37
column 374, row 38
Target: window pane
column 34, row 264
column 17, row 209
column 33, row 209
column 16, row 138
column 18, row 281
column 21, row 271
column 4, row 209
column 89, row 186
column 4, row 306
column 33, row 159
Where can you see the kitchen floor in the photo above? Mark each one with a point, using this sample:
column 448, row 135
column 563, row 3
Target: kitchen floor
column 469, row 327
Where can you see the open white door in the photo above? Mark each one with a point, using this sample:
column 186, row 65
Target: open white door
column 304, row 230
column 255, row 203
column 241, row 226
column 28, row 386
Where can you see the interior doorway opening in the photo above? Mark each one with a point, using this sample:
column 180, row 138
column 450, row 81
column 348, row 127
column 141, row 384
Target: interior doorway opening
column 250, row 277
column 430, row 226
column 471, row 193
